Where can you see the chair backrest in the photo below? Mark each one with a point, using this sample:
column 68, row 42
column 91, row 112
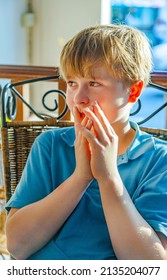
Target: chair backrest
column 159, row 133
column 17, row 140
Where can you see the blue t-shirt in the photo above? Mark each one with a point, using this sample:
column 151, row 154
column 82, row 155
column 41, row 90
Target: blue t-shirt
column 84, row 235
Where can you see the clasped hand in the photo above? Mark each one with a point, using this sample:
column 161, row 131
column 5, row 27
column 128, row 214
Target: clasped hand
column 96, row 145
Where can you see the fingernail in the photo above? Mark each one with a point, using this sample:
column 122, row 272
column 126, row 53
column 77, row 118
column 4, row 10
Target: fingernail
column 86, row 109
column 91, row 108
column 90, row 122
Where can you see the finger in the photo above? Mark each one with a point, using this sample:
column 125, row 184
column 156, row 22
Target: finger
column 88, row 136
column 89, row 124
column 86, row 123
column 78, row 119
column 97, row 126
column 104, row 121
column 76, row 114
column 86, row 146
column 81, row 140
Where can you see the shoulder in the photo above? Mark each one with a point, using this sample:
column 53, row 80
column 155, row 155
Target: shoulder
column 148, row 150
column 159, row 146
column 58, row 135
column 153, row 158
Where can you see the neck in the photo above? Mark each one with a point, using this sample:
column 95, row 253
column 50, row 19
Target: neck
column 126, row 135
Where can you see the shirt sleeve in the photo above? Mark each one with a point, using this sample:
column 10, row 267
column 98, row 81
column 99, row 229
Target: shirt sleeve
column 152, row 202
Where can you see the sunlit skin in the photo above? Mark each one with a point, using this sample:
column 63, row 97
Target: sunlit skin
column 103, row 100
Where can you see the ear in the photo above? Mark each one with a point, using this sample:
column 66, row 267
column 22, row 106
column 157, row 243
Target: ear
column 135, row 91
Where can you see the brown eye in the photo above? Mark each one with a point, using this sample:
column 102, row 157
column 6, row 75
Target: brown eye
column 94, row 84
column 71, row 84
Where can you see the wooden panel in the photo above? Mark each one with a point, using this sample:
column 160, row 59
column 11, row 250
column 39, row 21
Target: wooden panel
column 62, row 86
column 21, row 72
column 159, row 78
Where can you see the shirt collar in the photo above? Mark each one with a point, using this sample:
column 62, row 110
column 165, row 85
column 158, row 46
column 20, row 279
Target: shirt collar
column 141, row 143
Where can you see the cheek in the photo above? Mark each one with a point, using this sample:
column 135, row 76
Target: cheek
column 112, row 108
column 69, row 100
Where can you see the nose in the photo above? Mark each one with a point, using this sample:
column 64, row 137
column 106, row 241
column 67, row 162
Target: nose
column 81, row 96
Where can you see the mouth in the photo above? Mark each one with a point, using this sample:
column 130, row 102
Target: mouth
column 82, row 115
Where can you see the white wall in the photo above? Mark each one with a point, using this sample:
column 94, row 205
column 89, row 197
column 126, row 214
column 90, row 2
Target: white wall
column 56, row 22
column 13, row 37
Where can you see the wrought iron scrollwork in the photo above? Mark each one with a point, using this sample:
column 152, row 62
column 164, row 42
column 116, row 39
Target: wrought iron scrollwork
column 138, row 108
column 9, row 104
column 9, row 96
column 61, row 93
column 160, row 108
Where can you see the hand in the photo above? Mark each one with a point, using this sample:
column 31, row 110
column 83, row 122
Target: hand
column 82, row 149
column 103, row 143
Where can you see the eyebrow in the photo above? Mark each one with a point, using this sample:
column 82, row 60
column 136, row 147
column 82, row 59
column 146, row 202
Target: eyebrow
column 91, row 77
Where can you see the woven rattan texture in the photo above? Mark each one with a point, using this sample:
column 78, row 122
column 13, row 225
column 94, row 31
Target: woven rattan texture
column 159, row 133
column 17, row 140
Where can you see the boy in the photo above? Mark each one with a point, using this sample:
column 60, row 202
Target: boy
column 96, row 191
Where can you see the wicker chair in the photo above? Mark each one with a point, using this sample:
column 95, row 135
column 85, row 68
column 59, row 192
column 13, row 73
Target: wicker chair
column 18, row 136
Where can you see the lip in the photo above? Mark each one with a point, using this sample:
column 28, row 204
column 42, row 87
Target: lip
column 82, row 115
column 80, row 110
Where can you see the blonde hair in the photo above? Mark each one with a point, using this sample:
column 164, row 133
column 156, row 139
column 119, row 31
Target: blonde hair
column 123, row 50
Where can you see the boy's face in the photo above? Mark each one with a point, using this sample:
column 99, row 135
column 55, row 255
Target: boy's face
column 111, row 95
